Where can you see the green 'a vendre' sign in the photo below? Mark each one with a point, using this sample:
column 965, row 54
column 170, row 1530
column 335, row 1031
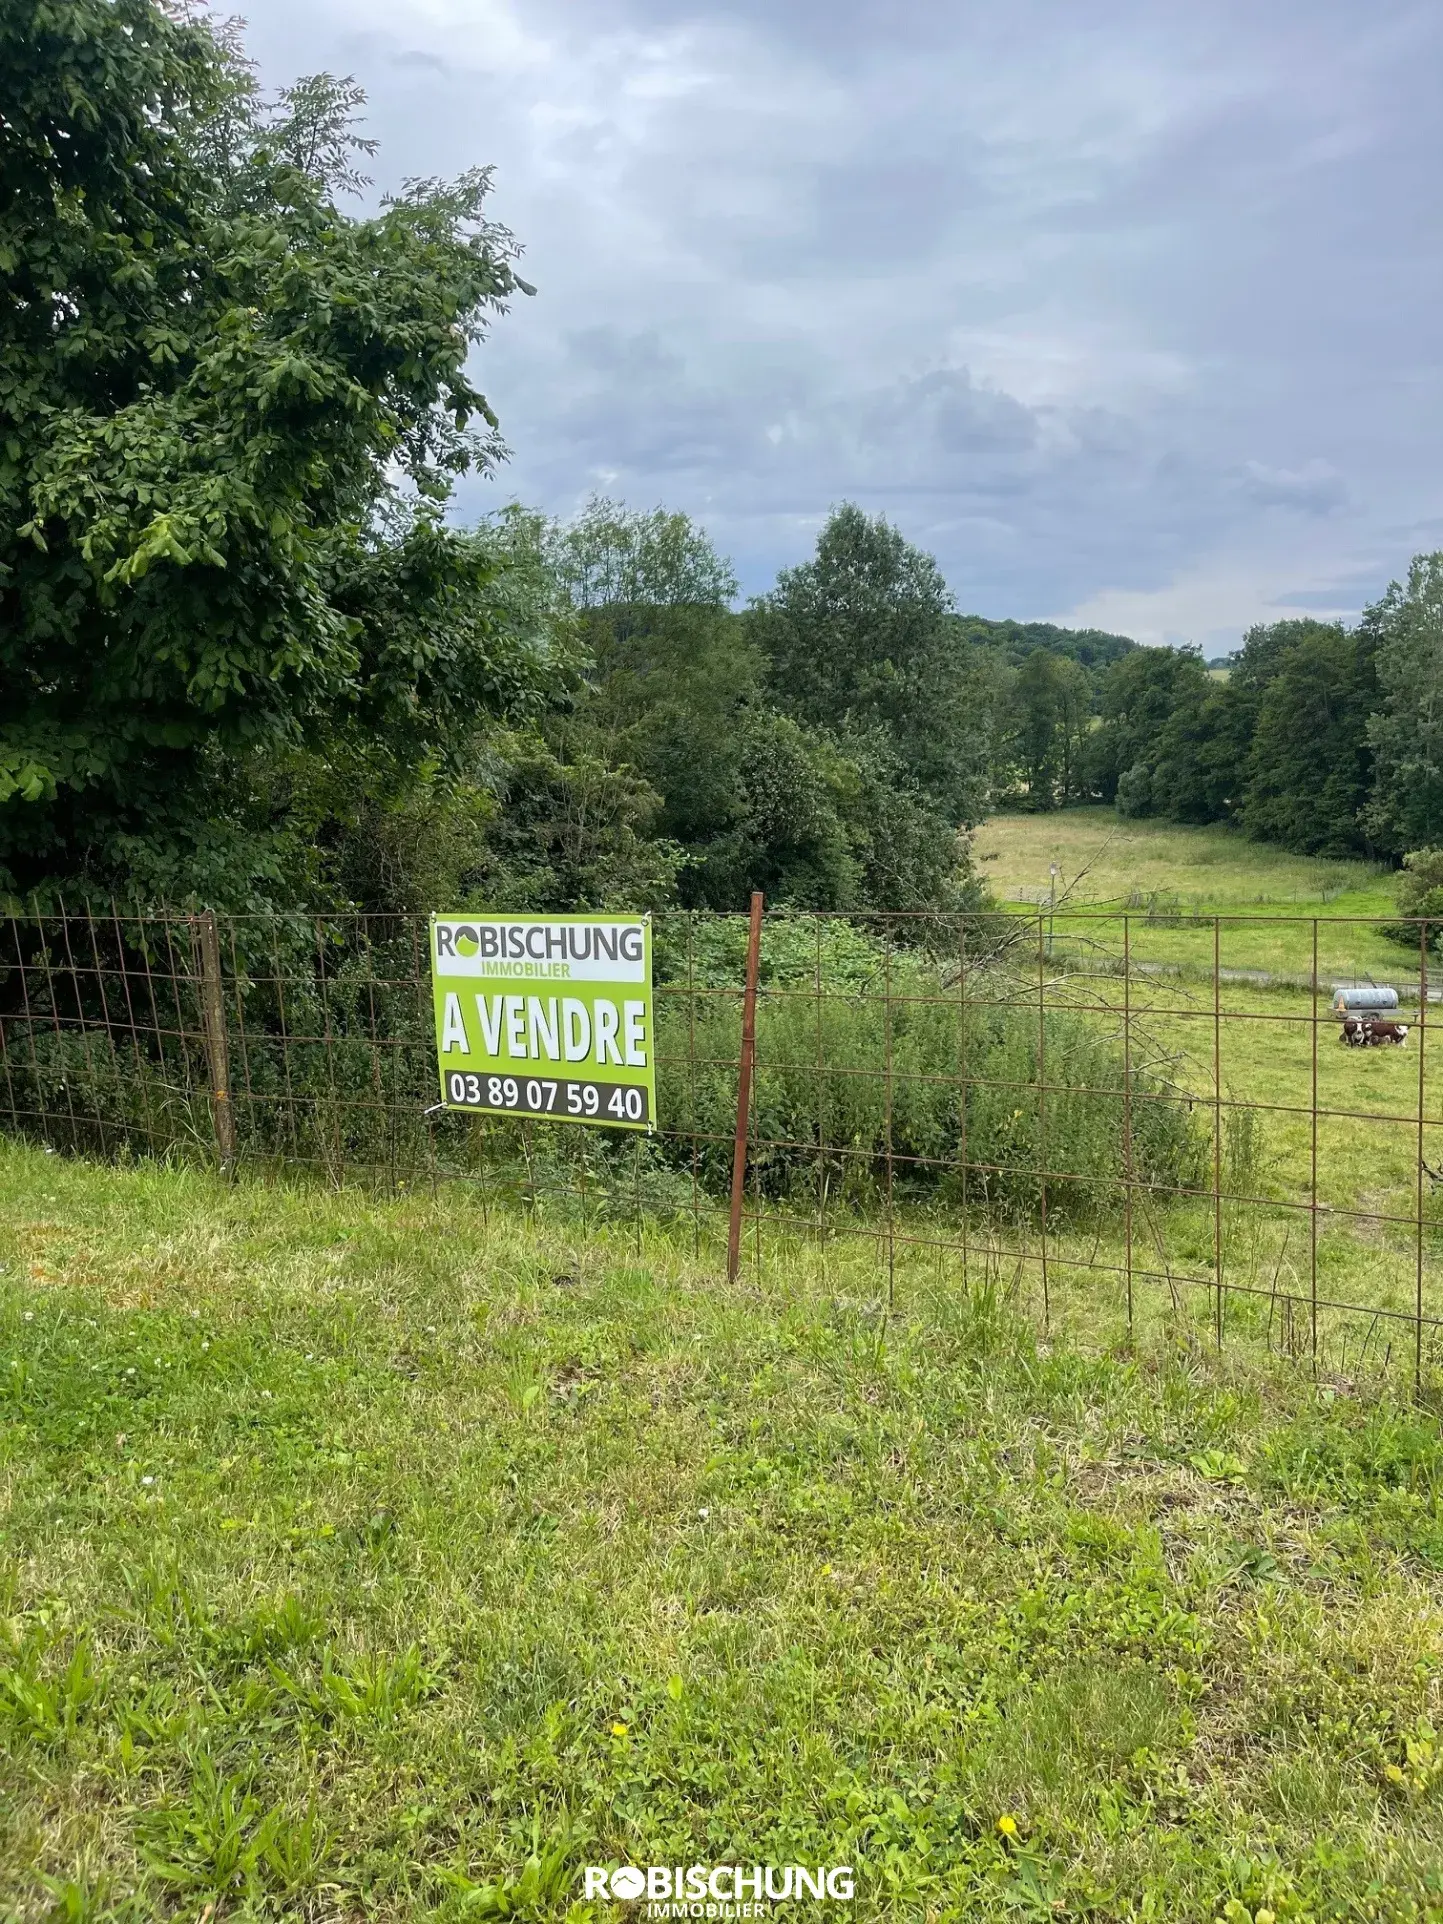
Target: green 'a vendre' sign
column 546, row 1015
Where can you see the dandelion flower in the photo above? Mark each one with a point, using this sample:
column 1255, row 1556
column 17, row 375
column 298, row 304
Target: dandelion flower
column 1007, row 1824
column 618, row 1730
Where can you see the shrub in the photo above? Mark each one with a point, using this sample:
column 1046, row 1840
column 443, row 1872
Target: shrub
column 862, row 1078
column 1134, row 791
column 1419, row 894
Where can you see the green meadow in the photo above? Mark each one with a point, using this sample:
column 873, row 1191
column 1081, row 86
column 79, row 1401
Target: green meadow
column 1261, row 1042
column 1165, row 876
column 389, row 1559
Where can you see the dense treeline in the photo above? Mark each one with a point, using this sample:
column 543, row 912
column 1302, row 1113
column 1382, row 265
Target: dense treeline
column 1325, row 739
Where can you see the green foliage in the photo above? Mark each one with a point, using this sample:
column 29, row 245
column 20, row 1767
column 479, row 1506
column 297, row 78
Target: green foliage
column 1405, row 732
column 1419, row 896
column 786, row 830
column 1044, row 731
column 570, row 833
column 1420, row 884
column 219, row 1843
column 909, row 853
column 675, row 689
column 859, row 641
column 1034, row 692
column 611, row 556
column 372, row 1690
column 538, row 1889
column 1281, row 747
column 41, row 1703
column 863, row 1053
column 1149, row 751
column 1321, row 739
column 214, row 384
column 1017, row 641
column 1308, row 768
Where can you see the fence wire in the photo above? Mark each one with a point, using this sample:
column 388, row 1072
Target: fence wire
column 1117, row 1119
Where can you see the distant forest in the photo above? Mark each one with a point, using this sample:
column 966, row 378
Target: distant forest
column 1323, row 738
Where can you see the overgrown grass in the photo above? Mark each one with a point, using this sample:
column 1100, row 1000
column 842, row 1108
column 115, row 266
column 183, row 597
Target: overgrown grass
column 875, row 1072
column 376, row 1560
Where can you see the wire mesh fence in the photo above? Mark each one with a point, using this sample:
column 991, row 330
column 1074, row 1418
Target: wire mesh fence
column 1125, row 1122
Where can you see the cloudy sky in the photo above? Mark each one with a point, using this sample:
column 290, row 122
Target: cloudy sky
column 1129, row 311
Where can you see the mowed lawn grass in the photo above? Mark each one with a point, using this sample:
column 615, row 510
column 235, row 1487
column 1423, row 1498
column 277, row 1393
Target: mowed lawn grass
column 1107, row 863
column 371, row 1559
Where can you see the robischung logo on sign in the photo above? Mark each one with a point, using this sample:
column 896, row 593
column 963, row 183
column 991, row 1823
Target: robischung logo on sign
column 548, row 1016
column 722, row 1891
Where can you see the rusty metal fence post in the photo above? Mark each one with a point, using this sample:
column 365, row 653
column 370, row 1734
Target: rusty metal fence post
column 1219, row 1285
column 217, row 1047
column 1422, row 1147
column 744, row 1088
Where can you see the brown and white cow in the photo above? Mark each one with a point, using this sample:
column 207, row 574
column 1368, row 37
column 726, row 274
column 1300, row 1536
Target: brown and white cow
column 1385, row 1029
column 1371, row 1031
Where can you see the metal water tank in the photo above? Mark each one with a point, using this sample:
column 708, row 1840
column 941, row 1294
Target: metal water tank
column 1370, row 996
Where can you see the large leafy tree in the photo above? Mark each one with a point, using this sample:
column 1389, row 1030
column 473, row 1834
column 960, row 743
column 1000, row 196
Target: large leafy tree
column 612, row 556
column 860, row 639
column 1141, row 693
column 676, row 688
column 1308, row 765
column 230, row 414
column 1405, row 732
column 671, row 678
column 1044, row 729
column 671, row 685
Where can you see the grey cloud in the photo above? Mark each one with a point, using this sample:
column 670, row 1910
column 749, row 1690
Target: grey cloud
column 942, row 417
column 1314, row 489
column 1110, row 302
column 615, row 355
column 1343, row 597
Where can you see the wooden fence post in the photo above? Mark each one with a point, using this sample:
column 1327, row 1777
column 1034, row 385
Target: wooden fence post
column 217, row 1047
column 744, row 1088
